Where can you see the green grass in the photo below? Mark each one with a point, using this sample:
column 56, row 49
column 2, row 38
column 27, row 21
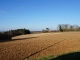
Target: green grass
column 42, row 58
column 65, row 56
column 46, row 58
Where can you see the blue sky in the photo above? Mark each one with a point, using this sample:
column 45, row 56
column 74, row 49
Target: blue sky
column 38, row 14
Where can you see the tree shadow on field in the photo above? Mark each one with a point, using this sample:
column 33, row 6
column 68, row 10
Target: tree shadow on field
column 17, row 39
column 70, row 56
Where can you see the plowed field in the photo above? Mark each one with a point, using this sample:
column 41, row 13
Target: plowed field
column 36, row 45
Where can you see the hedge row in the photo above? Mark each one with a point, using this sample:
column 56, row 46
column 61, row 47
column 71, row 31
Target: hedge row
column 9, row 34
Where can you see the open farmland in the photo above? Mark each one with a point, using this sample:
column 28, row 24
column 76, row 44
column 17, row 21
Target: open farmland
column 36, row 45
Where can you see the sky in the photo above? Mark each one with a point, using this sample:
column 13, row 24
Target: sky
column 36, row 15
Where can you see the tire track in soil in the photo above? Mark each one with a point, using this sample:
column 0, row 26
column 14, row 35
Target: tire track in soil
column 43, row 49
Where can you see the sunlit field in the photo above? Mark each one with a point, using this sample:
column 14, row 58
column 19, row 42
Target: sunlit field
column 38, row 45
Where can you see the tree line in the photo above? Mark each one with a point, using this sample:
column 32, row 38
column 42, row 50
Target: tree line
column 63, row 28
column 67, row 27
column 11, row 33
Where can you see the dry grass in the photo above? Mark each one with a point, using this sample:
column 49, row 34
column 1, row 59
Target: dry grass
column 36, row 45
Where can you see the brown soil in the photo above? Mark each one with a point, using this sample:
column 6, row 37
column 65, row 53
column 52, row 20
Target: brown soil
column 36, row 45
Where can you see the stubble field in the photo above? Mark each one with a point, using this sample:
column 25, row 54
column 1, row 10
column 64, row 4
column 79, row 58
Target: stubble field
column 37, row 45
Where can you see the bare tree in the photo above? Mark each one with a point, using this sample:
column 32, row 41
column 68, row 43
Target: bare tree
column 75, row 27
column 71, row 28
column 66, row 27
